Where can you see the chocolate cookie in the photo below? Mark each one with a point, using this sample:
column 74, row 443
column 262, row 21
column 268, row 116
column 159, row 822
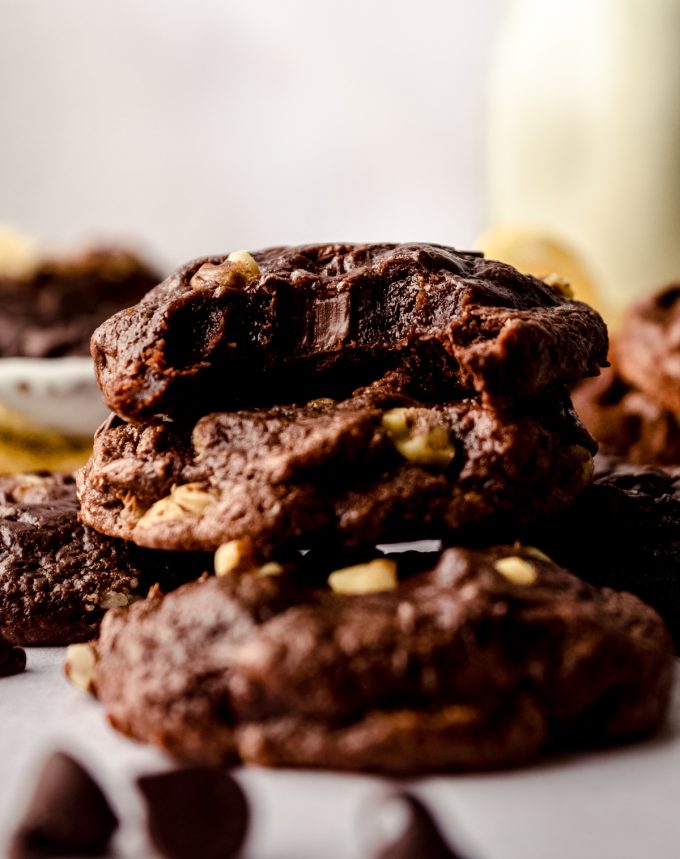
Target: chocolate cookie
column 292, row 324
column 485, row 660
column 58, row 577
column 627, row 422
column 623, row 532
column 53, row 311
column 377, row 467
column 647, row 350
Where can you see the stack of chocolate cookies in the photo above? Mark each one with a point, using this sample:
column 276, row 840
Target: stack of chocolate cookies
column 290, row 412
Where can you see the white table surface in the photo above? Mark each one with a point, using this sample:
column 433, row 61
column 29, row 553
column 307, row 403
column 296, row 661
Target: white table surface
column 618, row 803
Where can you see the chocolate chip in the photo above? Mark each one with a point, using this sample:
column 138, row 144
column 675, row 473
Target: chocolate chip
column 195, row 811
column 68, row 814
column 420, row 838
column 12, row 658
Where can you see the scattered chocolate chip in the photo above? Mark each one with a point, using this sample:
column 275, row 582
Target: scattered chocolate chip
column 68, row 814
column 421, row 837
column 195, row 811
column 12, row 658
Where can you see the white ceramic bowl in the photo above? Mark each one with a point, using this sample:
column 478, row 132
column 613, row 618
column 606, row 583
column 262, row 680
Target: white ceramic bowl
column 56, row 394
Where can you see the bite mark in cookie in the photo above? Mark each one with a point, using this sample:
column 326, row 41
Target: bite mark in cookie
column 294, row 323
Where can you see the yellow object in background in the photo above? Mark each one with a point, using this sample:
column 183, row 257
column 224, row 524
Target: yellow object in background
column 533, row 252
column 27, row 447
column 18, row 255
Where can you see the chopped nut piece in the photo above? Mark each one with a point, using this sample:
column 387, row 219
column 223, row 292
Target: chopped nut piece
column 561, row 284
column 431, row 446
column 272, row 568
column 246, row 261
column 394, row 422
column 132, row 507
column 321, row 402
column 238, row 268
column 191, row 498
column 115, row 599
column 577, row 451
column 373, row 577
column 235, row 556
column 162, row 511
column 536, row 553
column 186, row 500
column 517, row 570
column 81, row 661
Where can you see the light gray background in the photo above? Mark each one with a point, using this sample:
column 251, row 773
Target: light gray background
column 200, row 126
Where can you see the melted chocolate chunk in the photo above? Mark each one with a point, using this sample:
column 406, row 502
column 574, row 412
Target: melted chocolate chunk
column 68, row 814
column 12, row 658
column 195, row 812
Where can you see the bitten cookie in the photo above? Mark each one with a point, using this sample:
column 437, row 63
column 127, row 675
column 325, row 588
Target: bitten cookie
column 485, row 660
column 624, row 532
column 647, row 350
column 292, row 324
column 58, row 577
column 52, row 309
column 627, row 422
column 377, row 467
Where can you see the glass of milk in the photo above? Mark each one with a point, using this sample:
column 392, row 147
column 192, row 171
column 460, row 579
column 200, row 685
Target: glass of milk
column 584, row 134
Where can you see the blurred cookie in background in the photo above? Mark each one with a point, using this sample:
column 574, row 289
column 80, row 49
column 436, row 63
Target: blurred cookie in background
column 633, row 408
column 49, row 306
column 647, row 351
column 627, row 422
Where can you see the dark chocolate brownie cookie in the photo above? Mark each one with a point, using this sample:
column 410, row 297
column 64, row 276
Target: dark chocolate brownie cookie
column 483, row 661
column 53, row 311
column 377, row 467
column 647, row 349
column 292, row 324
column 58, row 577
column 627, row 422
column 624, row 532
